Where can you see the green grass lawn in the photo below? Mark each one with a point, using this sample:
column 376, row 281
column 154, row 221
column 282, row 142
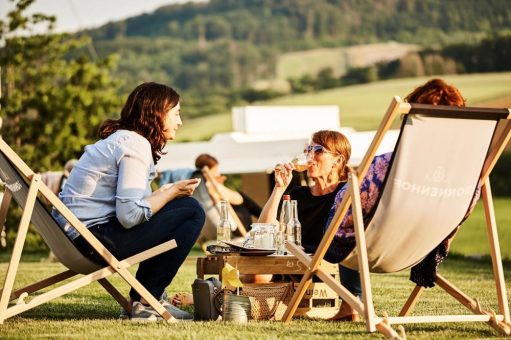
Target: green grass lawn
column 91, row 313
column 472, row 240
column 363, row 106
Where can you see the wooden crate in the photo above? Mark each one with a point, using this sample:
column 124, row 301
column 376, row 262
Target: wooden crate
column 318, row 295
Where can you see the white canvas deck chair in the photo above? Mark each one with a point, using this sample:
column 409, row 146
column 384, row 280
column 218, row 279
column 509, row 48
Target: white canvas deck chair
column 441, row 155
column 24, row 186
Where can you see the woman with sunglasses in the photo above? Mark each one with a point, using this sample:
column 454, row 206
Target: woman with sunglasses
column 328, row 156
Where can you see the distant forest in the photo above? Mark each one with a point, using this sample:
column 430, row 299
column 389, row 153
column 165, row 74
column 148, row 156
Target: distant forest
column 214, row 51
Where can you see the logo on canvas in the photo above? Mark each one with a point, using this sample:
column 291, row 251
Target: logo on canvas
column 438, row 176
column 432, row 191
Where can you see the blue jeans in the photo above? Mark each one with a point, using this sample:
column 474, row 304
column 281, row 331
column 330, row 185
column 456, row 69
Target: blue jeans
column 181, row 219
column 351, row 280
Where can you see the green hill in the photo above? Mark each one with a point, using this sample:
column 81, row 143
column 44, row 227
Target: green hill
column 213, row 51
column 362, row 106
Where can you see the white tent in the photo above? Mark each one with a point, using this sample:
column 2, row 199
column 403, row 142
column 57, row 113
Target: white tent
column 239, row 153
column 266, row 135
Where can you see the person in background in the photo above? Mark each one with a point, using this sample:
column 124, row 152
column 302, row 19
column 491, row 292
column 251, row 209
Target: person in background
column 242, row 204
column 211, row 162
column 109, row 191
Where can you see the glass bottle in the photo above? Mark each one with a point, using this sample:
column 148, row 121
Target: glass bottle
column 296, row 225
column 223, row 228
column 285, row 212
column 285, row 216
column 290, row 234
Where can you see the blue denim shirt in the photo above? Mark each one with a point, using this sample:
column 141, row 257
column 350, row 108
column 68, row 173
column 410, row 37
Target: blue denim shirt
column 110, row 180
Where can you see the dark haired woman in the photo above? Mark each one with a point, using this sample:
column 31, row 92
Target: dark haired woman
column 109, row 191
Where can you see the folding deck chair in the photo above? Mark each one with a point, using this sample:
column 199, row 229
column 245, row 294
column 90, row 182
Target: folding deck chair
column 22, row 184
column 216, row 196
column 442, row 154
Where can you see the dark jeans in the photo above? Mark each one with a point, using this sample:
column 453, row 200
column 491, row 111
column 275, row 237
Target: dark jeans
column 180, row 219
column 349, row 278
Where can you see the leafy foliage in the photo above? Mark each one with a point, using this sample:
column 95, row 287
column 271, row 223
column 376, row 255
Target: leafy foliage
column 55, row 95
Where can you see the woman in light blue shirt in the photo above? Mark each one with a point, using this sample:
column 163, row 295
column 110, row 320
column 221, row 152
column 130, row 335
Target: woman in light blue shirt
column 109, row 190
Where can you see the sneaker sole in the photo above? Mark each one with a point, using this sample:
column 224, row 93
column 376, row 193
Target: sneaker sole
column 150, row 319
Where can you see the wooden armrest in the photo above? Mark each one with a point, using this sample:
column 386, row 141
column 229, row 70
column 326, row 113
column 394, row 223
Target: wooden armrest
column 149, row 253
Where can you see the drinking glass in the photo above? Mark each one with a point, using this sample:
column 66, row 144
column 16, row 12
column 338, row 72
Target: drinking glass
column 300, row 162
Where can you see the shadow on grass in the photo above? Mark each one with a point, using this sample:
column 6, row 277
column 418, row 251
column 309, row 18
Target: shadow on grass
column 58, row 311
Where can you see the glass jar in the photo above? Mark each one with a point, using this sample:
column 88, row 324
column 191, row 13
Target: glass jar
column 263, row 235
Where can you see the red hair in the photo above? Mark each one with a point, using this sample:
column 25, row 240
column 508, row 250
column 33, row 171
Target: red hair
column 436, row 92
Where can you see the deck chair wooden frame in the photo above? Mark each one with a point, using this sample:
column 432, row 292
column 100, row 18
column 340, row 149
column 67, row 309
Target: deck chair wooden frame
column 499, row 321
column 216, row 196
column 31, row 206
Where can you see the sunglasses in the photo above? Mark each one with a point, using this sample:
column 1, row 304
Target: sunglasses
column 317, row 149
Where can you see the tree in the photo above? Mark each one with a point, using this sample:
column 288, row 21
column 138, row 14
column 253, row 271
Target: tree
column 410, row 65
column 55, row 96
column 326, row 79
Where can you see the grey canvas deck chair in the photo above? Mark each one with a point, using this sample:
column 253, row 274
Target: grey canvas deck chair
column 26, row 188
column 441, row 155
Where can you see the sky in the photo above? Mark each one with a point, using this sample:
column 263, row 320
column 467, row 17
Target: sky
column 73, row 15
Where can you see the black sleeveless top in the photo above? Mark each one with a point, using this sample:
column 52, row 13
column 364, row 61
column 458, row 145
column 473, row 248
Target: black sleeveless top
column 313, row 212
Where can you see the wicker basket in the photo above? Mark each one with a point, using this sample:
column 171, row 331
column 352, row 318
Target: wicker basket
column 269, row 300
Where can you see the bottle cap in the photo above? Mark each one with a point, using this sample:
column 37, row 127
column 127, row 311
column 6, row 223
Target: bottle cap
column 286, row 197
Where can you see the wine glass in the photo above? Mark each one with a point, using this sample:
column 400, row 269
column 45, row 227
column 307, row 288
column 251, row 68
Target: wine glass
column 300, row 162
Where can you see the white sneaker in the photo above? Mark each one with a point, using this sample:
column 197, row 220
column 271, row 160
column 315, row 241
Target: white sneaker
column 125, row 315
column 142, row 313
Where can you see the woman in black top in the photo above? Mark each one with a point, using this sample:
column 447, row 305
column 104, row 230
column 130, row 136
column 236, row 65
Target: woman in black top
column 328, row 155
column 313, row 213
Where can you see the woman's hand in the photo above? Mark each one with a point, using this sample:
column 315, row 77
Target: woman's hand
column 180, row 188
column 283, row 175
column 170, row 191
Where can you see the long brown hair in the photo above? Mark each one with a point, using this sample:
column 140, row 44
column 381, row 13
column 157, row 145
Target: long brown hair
column 337, row 143
column 436, row 92
column 144, row 113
